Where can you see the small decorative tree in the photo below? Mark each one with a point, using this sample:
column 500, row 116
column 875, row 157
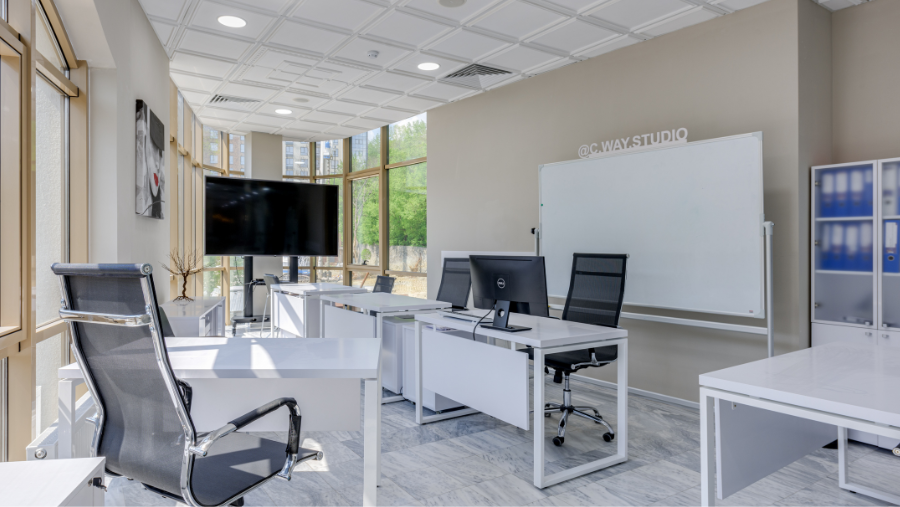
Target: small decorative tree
column 184, row 266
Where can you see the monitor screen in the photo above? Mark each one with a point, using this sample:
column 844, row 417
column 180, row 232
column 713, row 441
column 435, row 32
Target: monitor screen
column 521, row 280
column 258, row 217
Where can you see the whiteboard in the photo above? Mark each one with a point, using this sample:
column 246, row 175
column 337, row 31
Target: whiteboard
column 690, row 217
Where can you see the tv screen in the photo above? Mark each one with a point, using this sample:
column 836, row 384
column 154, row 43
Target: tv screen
column 257, row 217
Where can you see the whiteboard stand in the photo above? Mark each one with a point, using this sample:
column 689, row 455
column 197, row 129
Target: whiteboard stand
column 770, row 307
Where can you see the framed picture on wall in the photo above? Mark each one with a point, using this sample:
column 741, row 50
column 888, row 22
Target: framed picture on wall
column 150, row 174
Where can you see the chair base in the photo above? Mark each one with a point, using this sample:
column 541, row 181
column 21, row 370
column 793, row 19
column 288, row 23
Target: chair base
column 567, row 409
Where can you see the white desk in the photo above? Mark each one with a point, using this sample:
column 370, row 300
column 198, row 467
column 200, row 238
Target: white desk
column 496, row 379
column 200, row 317
column 295, row 306
column 231, row 376
column 771, row 412
column 52, row 482
column 343, row 323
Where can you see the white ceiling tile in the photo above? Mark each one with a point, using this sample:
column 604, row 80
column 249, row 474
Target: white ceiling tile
column 305, row 37
column 443, row 91
column 297, row 111
column 207, row 16
column 318, row 85
column 267, row 76
column 459, row 14
column 692, row 17
column 194, row 98
column 222, row 114
column 185, row 82
column 309, row 126
column 274, row 6
column 521, row 58
column 573, row 36
column 612, row 45
column 299, row 135
column 836, row 5
column 343, row 72
column 274, row 58
column 168, row 9
column 578, row 6
column 327, row 117
column 223, row 47
column 519, row 19
column 358, row 50
column 299, row 99
column 413, row 103
column 258, row 128
column 200, row 65
column 247, row 91
column 163, row 31
column 344, row 131
column 631, row 14
column 348, row 14
column 219, row 124
column 739, row 4
column 388, row 114
column 368, row 96
column 365, row 124
column 393, row 81
column 411, row 65
column 350, row 108
column 555, row 65
column 469, row 45
column 271, row 121
column 407, row 29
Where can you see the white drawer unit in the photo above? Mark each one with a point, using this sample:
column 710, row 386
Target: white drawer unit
column 432, row 400
column 200, row 317
column 60, row 482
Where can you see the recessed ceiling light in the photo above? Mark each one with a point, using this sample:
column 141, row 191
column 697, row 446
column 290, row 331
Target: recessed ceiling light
column 452, row 3
column 283, row 111
column 232, row 21
column 429, row 66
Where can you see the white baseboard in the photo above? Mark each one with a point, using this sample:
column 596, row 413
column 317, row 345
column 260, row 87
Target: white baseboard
column 639, row 392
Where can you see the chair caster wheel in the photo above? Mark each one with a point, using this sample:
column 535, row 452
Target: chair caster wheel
column 546, row 414
column 558, row 441
column 608, row 437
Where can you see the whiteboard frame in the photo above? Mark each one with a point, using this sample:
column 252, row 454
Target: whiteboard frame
column 762, row 244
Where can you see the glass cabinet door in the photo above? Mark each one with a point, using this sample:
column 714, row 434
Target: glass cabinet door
column 844, row 244
column 890, row 254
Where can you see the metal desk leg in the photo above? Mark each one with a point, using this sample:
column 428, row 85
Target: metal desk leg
column 67, row 400
column 538, row 417
column 305, row 316
column 707, row 449
column 371, row 442
column 622, row 400
column 842, row 457
column 322, row 304
column 418, row 361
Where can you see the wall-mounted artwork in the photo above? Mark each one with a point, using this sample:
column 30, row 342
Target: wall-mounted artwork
column 150, row 168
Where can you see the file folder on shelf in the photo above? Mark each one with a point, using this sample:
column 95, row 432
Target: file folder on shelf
column 865, row 247
column 837, row 247
column 827, row 205
column 851, row 248
column 891, row 262
column 825, row 259
column 868, row 192
column 857, row 196
column 841, row 191
column 889, row 191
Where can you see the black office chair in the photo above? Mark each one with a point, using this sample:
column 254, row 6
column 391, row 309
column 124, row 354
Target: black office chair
column 596, row 289
column 143, row 422
column 456, row 282
column 384, row 284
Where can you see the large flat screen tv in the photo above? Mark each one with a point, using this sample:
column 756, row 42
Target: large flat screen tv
column 257, row 217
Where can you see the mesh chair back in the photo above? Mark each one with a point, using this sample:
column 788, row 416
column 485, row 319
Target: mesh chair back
column 270, row 279
column 127, row 370
column 383, row 284
column 596, row 289
column 456, row 282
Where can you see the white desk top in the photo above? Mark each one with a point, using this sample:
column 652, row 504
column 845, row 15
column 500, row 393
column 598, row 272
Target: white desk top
column 383, row 302
column 193, row 308
column 544, row 332
column 854, row 380
column 267, row 358
column 46, row 482
column 304, row 289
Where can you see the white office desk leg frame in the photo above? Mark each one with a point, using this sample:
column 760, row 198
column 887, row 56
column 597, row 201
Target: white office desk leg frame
column 708, row 396
column 65, row 447
column 543, row 481
column 421, row 418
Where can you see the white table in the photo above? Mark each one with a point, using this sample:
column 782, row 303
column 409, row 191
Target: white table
column 231, row 376
column 52, row 482
column 342, row 323
column 200, row 317
column 295, row 306
column 494, row 380
column 771, row 412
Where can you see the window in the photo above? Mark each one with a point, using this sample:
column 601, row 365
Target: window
column 364, row 221
column 211, row 140
column 180, row 119
column 407, row 224
column 304, row 150
column 289, row 148
column 366, row 149
column 235, row 140
column 295, row 163
column 338, row 260
column 330, row 158
column 230, row 160
column 46, row 43
column 242, row 146
column 407, row 139
column 242, row 159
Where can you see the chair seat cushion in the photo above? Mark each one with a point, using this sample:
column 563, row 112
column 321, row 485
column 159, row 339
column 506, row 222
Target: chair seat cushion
column 564, row 361
column 236, row 463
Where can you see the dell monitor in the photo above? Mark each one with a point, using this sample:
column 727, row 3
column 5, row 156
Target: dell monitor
column 509, row 284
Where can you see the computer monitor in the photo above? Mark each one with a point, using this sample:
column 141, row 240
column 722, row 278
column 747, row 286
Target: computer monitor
column 509, row 284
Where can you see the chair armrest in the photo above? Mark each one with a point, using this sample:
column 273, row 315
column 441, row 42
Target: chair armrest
column 201, row 449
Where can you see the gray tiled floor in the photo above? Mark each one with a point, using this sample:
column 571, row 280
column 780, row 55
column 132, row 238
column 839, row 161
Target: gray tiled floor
column 478, row 460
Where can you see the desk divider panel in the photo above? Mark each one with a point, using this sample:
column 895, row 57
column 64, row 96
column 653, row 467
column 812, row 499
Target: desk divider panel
column 485, row 377
column 341, row 323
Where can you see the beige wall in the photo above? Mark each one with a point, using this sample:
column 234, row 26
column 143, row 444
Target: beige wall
column 732, row 75
column 264, row 152
column 866, row 81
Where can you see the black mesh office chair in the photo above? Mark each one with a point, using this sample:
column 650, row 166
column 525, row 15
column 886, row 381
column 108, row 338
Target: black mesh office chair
column 456, row 282
column 384, row 284
column 143, row 422
column 595, row 297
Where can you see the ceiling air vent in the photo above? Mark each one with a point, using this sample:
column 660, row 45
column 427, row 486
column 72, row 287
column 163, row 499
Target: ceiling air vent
column 476, row 76
column 234, row 102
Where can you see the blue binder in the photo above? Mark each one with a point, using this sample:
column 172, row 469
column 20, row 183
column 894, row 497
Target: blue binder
column 857, row 195
column 891, row 261
column 837, row 247
column 826, row 195
column 868, row 193
column 865, row 247
column 851, row 248
column 841, row 194
column 825, row 255
column 889, row 191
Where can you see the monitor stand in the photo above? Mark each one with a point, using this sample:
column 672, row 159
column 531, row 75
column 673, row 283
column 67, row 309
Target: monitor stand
column 501, row 319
